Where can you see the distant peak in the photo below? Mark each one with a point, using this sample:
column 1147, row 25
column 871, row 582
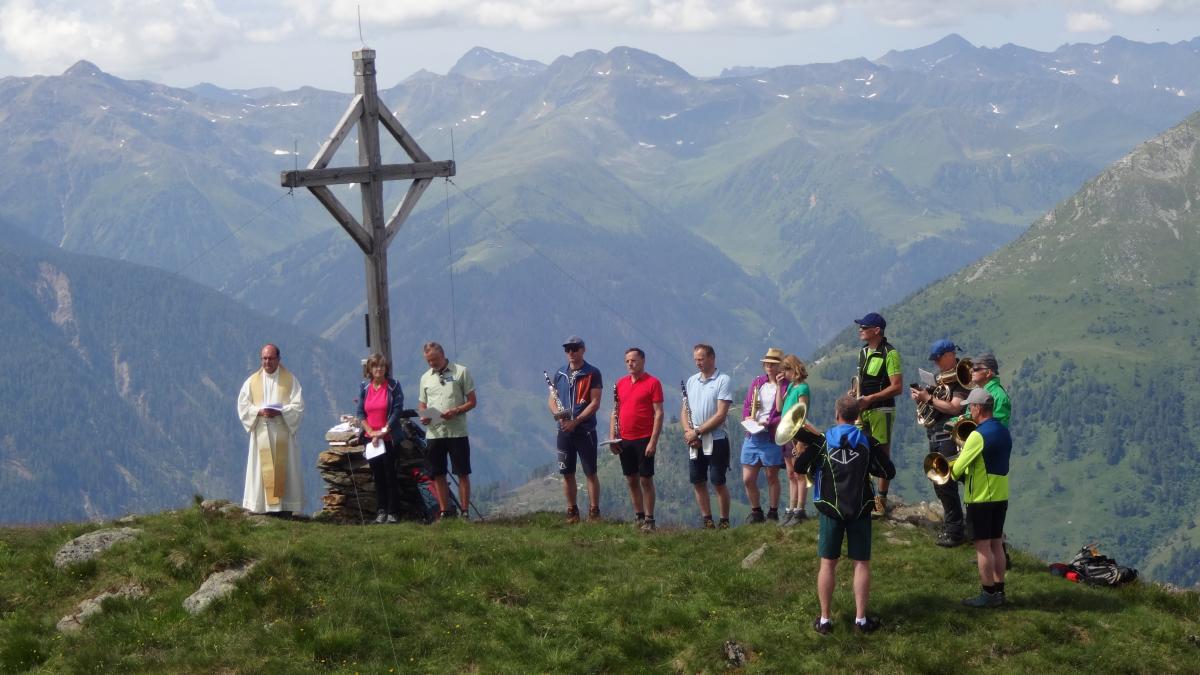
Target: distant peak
column 481, row 63
column 82, row 69
column 953, row 41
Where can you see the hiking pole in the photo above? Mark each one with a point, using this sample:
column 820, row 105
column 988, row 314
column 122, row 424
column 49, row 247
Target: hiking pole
column 455, row 499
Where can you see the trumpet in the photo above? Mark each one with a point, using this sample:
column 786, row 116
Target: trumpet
column 960, row 428
column 560, row 413
column 937, row 468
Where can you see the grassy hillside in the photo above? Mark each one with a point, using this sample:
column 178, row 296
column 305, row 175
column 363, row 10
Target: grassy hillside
column 535, row 595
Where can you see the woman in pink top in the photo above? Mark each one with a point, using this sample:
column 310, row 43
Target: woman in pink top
column 380, row 401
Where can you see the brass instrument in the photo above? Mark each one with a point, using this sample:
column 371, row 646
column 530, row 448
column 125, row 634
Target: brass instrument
column 960, row 428
column 855, row 388
column 960, row 375
column 937, row 468
column 561, row 412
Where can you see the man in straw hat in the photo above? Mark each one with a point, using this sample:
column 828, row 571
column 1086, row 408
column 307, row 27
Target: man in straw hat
column 760, row 416
column 880, row 380
column 984, row 464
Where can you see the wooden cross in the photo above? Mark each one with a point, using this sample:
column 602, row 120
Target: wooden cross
column 374, row 234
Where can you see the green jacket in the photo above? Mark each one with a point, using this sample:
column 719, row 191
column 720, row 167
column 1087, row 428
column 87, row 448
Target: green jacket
column 1002, row 408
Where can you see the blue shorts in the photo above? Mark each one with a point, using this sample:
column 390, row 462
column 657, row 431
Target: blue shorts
column 760, row 449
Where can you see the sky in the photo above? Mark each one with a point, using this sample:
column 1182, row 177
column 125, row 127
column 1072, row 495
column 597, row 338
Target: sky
column 241, row 44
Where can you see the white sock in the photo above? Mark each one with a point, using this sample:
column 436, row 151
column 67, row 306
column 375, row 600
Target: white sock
column 824, row 619
column 862, row 621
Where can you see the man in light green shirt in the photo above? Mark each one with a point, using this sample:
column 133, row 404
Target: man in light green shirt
column 447, row 388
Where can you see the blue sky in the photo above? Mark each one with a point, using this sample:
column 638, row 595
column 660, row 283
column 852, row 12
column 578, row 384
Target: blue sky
column 249, row 43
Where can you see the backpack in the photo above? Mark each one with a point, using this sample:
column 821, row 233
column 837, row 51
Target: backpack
column 1100, row 570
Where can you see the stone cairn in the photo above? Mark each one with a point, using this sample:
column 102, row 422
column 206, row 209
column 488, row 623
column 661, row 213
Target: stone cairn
column 350, row 488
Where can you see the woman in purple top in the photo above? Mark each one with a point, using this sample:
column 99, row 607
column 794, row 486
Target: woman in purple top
column 759, row 451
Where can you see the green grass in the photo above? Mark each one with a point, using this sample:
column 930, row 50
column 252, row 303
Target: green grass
column 535, row 595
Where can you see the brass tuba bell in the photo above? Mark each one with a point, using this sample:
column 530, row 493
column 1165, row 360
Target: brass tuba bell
column 937, row 468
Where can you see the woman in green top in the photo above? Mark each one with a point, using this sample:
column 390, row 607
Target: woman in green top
column 796, row 373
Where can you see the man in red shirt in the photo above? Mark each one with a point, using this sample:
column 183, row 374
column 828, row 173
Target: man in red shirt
column 637, row 420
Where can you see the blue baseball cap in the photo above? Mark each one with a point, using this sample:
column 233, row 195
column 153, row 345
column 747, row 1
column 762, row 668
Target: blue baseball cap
column 941, row 347
column 872, row 320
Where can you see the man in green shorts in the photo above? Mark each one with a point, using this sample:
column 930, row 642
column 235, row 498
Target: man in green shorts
column 843, row 461
column 880, row 380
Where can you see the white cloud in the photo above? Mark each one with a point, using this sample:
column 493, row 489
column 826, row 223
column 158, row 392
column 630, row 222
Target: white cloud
column 50, row 35
column 1087, row 22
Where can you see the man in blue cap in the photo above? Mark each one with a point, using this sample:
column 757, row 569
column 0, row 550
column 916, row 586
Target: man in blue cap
column 880, row 380
column 944, row 355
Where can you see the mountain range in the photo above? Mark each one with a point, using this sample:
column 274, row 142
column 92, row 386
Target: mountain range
column 616, row 196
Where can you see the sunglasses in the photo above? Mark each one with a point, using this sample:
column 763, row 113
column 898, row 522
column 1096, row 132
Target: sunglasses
column 570, row 349
column 976, row 369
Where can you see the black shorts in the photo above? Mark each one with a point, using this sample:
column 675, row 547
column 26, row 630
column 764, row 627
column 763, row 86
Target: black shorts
column 578, row 443
column 459, row 450
column 987, row 519
column 634, row 459
column 711, row 468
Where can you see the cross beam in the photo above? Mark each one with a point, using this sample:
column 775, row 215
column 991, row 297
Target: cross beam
column 374, row 234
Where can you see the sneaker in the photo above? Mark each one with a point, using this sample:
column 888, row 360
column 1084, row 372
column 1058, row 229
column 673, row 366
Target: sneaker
column 594, row 515
column 799, row 516
column 946, row 540
column 756, row 516
column 773, row 515
column 648, row 525
column 822, row 627
column 984, row 599
column 869, row 625
column 639, row 519
column 723, row 524
column 381, row 518
column 392, row 520
column 1001, row 599
column 707, row 523
column 444, row 515
column 572, row 515
column 787, row 518
column 464, row 516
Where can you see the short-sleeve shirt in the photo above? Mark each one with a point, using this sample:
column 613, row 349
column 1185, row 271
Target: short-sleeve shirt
column 574, row 389
column 891, row 366
column 636, row 417
column 444, row 390
column 793, row 395
column 703, row 396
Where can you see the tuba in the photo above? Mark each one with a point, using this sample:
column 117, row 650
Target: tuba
column 927, row 414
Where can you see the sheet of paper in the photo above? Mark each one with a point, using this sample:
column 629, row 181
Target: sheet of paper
column 706, row 444
column 374, row 449
column 434, row 415
column 927, row 378
column 753, row 426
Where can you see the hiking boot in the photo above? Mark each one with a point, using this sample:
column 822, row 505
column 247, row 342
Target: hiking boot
column 787, row 518
column 1001, row 599
column 707, row 523
column 723, row 524
column 572, row 515
column 444, row 515
column 946, row 540
column 392, row 520
column 648, row 525
column 773, row 515
column 756, row 516
column 381, row 518
column 639, row 519
column 594, row 514
column 869, row 625
column 984, row 599
column 464, row 516
column 799, row 516
column 824, row 628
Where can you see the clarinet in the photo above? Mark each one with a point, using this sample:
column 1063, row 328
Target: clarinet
column 562, row 413
column 687, row 414
column 614, row 427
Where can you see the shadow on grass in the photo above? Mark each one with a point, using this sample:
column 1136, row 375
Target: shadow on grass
column 933, row 608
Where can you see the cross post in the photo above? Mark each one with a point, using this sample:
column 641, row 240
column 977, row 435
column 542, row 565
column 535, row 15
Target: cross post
column 374, row 234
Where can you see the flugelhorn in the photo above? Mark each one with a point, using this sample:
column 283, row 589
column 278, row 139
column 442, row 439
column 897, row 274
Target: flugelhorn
column 561, row 413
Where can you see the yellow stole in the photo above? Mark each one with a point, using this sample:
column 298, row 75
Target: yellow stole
column 272, row 459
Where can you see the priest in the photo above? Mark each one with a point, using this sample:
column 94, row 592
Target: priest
column 271, row 406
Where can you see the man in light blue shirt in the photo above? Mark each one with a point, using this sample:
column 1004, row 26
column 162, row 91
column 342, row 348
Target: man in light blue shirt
column 708, row 395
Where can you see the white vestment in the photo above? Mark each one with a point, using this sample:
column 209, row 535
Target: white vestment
column 265, row 446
